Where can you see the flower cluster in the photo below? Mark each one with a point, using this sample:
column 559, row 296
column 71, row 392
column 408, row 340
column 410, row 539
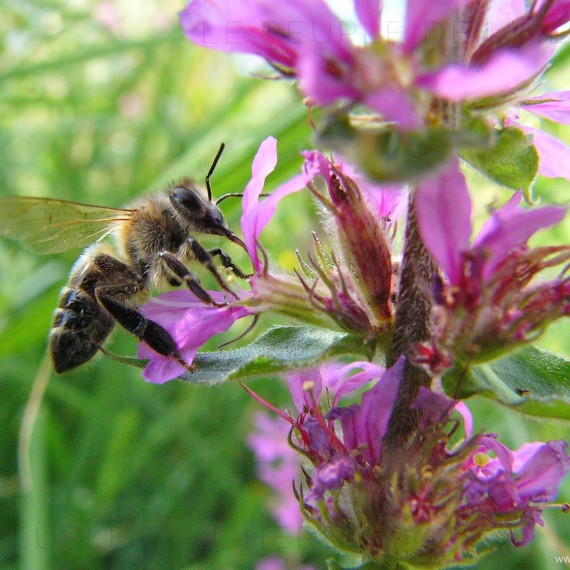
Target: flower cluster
column 487, row 299
column 485, row 55
column 433, row 501
column 392, row 476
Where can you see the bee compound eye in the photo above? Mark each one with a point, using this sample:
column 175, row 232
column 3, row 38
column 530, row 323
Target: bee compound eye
column 186, row 198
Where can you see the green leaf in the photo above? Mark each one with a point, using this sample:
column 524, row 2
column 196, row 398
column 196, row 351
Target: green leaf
column 280, row 349
column 389, row 155
column 512, row 161
column 532, row 381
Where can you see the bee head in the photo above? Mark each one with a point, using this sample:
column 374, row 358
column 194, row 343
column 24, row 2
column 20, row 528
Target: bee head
column 195, row 212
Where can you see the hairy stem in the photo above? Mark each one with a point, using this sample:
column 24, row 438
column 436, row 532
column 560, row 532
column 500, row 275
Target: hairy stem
column 411, row 326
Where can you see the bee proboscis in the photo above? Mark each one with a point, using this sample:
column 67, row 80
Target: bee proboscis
column 153, row 241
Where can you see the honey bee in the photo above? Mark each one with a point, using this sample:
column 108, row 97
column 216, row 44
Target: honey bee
column 153, row 242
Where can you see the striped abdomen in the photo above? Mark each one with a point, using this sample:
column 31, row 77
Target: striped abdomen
column 81, row 324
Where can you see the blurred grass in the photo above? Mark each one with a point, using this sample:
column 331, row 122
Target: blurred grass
column 100, row 102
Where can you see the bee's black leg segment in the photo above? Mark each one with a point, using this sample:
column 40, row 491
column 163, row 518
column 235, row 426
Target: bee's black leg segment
column 156, row 336
column 186, row 276
column 228, row 263
column 205, row 259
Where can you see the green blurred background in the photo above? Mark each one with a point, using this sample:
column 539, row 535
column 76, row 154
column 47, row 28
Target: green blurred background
column 101, row 101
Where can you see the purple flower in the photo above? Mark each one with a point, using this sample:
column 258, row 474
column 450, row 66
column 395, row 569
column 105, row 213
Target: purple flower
column 257, row 214
column 190, row 322
column 306, row 40
column 512, row 480
column 502, row 73
column 365, row 426
column 489, row 299
column 276, row 32
column 449, row 495
column 278, row 464
column 444, row 216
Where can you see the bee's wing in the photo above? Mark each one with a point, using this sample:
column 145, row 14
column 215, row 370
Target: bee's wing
column 45, row 225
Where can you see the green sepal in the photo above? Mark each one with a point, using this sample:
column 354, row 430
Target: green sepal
column 386, row 154
column 280, row 349
column 512, row 160
column 531, row 380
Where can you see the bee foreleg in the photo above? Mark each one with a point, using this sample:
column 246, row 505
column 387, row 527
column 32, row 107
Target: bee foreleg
column 156, row 336
column 174, row 265
column 228, row 263
column 202, row 255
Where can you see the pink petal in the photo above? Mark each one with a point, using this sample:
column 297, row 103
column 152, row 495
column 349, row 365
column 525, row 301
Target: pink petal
column 318, row 84
column 502, row 73
column 190, row 322
column 512, row 226
column 368, row 12
column 161, row 369
column 275, row 31
column 443, row 210
column 298, row 381
column 368, row 426
column 256, row 214
column 465, row 412
column 556, row 106
column 394, row 105
column 540, row 476
column 350, row 382
column 263, row 164
column 502, row 12
column 423, row 15
column 557, row 15
column 554, row 155
column 228, row 26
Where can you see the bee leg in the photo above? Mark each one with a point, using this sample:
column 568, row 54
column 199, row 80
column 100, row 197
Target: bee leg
column 186, row 276
column 202, row 255
column 228, row 263
column 156, row 336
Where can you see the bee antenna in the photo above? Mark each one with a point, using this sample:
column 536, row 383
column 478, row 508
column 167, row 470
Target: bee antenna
column 212, row 168
column 236, row 195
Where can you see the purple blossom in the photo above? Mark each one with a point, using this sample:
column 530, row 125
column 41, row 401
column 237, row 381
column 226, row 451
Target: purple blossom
column 554, row 106
column 512, row 480
column 190, row 322
column 489, row 301
column 502, row 73
column 364, row 428
column 276, row 32
column 278, row 464
column 510, row 227
column 444, row 216
column 257, row 214
column 306, row 40
column 331, row 475
column 352, row 487
column 338, row 379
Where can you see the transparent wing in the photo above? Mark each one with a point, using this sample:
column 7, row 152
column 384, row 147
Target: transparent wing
column 45, row 225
